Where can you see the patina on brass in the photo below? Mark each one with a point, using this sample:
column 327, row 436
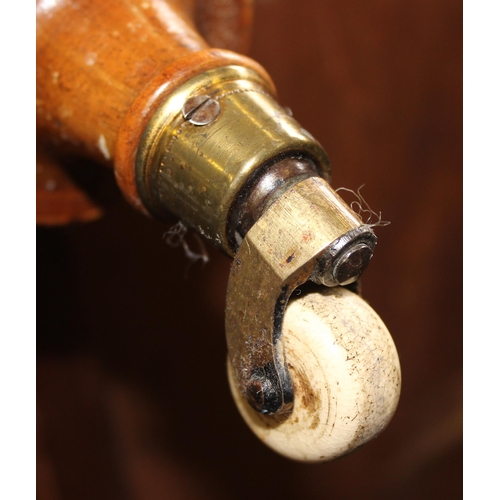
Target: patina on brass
column 283, row 249
column 196, row 170
column 224, row 157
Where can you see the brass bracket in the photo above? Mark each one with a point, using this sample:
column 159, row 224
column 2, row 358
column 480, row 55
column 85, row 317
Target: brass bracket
column 308, row 233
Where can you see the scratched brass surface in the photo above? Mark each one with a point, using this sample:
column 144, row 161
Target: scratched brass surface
column 379, row 85
column 278, row 254
column 195, row 172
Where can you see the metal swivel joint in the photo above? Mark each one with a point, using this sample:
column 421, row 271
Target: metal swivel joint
column 221, row 154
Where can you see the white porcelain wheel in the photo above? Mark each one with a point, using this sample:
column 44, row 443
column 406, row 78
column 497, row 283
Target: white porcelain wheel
column 346, row 377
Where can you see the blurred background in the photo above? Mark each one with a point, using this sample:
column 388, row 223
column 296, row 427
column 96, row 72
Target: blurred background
column 132, row 397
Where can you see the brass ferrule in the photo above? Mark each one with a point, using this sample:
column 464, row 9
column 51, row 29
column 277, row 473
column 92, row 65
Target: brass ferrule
column 203, row 151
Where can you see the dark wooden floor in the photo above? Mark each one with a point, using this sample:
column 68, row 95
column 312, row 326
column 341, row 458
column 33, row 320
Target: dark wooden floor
column 132, row 396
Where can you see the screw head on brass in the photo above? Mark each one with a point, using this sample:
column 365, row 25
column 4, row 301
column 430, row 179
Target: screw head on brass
column 346, row 259
column 262, row 393
column 352, row 263
column 255, row 393
column 201, row 110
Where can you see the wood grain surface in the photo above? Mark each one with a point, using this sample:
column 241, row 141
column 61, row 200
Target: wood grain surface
column 132, row 397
